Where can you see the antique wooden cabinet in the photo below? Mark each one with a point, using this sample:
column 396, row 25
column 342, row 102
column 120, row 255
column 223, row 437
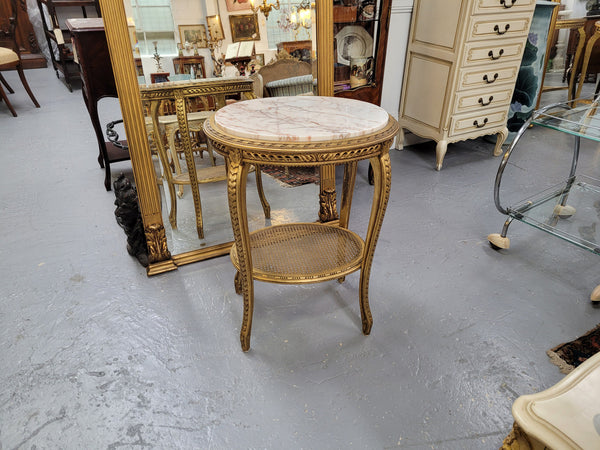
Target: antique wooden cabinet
column 90, row 52
column 59, row 37
column 463, row 59
column 360, row 31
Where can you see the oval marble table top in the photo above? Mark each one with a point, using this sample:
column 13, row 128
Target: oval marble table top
column 300, row 118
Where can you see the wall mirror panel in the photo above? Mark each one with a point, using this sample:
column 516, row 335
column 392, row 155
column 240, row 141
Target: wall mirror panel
column 134, row 71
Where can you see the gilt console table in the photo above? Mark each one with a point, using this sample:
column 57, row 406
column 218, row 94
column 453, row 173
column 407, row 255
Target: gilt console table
column 302, row 131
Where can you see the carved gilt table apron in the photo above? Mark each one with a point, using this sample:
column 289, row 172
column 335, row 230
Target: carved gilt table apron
column 303, row 131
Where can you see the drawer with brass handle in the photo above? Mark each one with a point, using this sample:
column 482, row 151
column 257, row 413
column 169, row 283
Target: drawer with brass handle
column 499, row 26
column 492, row 97
column 478, row 77
column 484, row 52
column 503, row 6
column 476, row 122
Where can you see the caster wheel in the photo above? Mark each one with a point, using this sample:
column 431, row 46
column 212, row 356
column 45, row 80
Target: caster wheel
column 564, row 212
column 498, row 242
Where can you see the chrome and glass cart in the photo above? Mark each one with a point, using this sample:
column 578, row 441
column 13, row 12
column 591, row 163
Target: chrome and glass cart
column 567, row 209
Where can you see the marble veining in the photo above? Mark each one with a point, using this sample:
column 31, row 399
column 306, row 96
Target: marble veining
column 301, row 118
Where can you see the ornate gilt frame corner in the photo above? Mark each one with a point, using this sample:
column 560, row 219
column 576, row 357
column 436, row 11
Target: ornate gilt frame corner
column 121, row 56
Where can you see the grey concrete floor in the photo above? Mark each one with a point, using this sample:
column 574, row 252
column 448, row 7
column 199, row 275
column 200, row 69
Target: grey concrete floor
column 96, row 355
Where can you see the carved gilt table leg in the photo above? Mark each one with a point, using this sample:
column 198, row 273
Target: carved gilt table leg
column 347, row 193
column 170, row 131
column 189, row 159
column 383, row 181
column 327, row 195
column 236, row 195
column 261, row 193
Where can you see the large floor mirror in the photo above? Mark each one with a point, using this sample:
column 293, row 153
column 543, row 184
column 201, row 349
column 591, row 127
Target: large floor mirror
column 204, row 30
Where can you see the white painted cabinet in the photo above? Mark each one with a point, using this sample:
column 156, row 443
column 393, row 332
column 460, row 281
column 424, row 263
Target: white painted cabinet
column 463, row 59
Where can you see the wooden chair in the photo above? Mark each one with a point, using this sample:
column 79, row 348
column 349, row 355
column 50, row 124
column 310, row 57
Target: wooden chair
column 578, row 25
column 10, row 57
column 589, row 47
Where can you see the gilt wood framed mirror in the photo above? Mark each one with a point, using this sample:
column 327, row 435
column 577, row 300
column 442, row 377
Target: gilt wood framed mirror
column 163, row 255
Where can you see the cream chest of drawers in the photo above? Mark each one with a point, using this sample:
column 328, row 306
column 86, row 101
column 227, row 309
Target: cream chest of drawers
column 462, row 62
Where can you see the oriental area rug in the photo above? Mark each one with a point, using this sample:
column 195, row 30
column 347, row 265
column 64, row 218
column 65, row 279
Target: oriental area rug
column 293, row 176
column 571, row 354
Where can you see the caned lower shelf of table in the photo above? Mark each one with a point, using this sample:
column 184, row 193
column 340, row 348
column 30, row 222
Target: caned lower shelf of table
column 303, row 253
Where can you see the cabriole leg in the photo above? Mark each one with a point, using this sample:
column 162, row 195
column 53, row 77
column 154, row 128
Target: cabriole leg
column 382, row 183
column 236, row 195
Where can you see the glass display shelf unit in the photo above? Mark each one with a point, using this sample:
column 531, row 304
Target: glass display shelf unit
column 571, row 209
column 578, row 117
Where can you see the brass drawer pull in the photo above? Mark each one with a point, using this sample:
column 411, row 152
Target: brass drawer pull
column 497, row 29
column 492, row 57
column 476, row 123
column 505, row 3
column 489, row 101
column 487, row 80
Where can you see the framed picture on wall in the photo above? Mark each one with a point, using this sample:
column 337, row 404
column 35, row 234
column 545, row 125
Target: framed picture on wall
column 193, row 34
column 215, row 28
column 244, row 28
column 237, row 5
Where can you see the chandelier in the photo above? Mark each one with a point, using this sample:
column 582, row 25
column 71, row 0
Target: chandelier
column 292, row 18
column 300, row 16
column 264, row 7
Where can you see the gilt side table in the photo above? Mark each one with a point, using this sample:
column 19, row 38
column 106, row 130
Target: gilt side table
column 302, row 131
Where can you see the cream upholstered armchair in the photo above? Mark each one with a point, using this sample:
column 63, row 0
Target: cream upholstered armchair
column 300, row 85
column 283, row 77
column 10, row 58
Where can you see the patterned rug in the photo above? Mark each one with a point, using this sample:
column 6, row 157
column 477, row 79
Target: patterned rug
column 294, row 176
column 571, row 354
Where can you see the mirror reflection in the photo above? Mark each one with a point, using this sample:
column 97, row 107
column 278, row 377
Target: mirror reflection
column 212, row 38
column 193, row 58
